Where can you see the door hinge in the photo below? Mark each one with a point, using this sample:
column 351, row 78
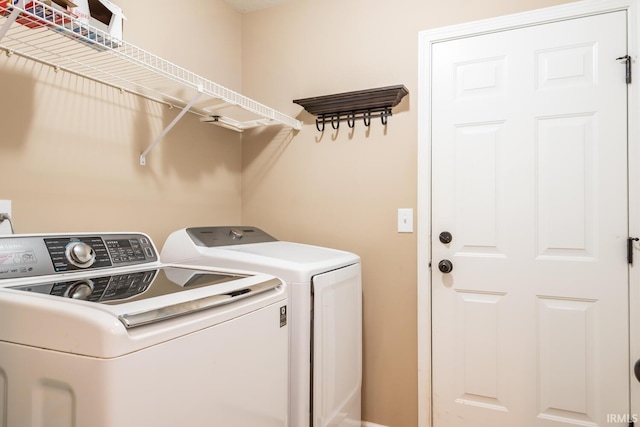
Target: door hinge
column 630, row 241
column 627, row 61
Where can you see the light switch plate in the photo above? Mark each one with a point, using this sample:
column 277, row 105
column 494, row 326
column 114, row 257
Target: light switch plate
column 405, row 220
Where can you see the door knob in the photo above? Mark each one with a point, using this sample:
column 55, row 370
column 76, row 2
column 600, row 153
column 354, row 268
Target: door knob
column 445, row 237
column 445, row 266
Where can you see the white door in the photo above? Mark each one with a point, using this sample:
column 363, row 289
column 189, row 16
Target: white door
column 529, row 176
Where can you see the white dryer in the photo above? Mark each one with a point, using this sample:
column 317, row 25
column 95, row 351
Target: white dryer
column 325, row 312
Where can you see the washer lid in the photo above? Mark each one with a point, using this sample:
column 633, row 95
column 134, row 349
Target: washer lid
column 128, row 310
column 129, row 286
column 149, row 287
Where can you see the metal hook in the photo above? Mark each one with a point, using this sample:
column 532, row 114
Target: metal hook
column 351, row 120
column 366, row 118
column 318, row 124
column 337, row 122
column 384, row 116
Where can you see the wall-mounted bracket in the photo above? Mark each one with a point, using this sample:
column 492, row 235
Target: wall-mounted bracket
column 349, row 106
column 143, row 156
column 10, row 20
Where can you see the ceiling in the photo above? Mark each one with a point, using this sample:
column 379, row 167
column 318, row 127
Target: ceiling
column 245, row 6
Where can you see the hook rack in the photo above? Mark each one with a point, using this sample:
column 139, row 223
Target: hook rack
column 352, row 106
column 351, row 117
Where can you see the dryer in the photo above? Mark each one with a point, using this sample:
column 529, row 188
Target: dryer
column 325, row 312
column 97, row 332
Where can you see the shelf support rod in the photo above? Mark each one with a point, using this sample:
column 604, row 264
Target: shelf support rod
column 10, row 20
column 143, row 156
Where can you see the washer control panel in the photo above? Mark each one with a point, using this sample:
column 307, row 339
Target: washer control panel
column 28, row 255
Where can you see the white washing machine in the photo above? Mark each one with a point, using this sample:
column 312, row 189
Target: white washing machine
column 325, row 308
column 96, row 332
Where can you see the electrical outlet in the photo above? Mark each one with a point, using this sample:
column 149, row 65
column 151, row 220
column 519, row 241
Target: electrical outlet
column 405, row 220
column 5, row 207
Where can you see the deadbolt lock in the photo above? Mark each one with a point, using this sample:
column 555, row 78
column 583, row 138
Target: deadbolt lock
column 445, row 237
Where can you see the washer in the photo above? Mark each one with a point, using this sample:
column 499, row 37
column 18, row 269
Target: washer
column 97, row 332
column 325, row 313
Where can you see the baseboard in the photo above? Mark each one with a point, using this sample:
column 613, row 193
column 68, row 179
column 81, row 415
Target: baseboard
column 368, row 424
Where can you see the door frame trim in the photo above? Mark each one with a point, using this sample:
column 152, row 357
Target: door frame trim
column 536, row 17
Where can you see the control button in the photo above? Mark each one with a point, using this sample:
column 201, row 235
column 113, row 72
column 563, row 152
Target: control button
column 149, row 252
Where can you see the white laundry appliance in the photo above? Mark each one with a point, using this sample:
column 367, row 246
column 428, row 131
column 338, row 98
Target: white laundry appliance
column 96, row 332
column 325, row 308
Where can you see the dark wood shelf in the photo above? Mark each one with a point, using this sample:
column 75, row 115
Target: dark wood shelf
column 349, row 106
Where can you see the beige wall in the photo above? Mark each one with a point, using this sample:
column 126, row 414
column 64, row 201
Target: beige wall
column 69, row 147
column 343, row 188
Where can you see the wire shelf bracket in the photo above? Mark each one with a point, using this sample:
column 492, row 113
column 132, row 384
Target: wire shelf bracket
column 41, row 32
column 143, row 156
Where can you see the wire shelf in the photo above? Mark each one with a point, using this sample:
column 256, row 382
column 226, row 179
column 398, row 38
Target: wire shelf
column 42, row 32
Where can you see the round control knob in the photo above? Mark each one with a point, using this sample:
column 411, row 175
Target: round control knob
column 80, row 290
column 445, row 266
column 636, row 369
column 80, row 254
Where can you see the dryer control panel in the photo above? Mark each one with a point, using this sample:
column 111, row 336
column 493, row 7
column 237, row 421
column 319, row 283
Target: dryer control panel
column 210, row 237
column 31, row 255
